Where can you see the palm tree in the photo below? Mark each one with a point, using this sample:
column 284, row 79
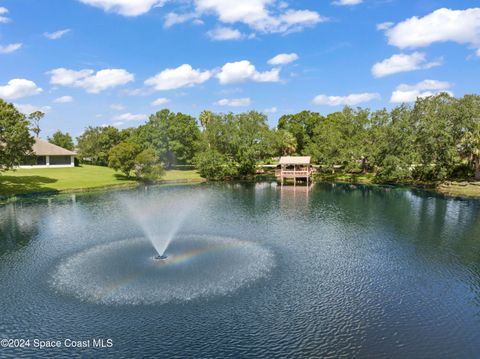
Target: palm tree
column 287, row 142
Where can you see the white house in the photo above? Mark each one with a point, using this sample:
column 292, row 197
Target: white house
column 48, row 155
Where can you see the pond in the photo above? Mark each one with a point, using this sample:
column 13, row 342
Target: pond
column 252, row 271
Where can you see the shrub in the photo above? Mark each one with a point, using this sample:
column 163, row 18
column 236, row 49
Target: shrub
column 147, row 167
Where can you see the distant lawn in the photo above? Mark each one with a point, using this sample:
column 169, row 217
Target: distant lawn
column 180, row 175
column 357, row 178
column 24, row 181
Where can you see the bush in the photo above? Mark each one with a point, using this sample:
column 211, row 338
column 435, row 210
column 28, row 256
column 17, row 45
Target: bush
column 462, row 171
column 214, row 166
column 122, row 157
column 147, row 167
column 394, row 170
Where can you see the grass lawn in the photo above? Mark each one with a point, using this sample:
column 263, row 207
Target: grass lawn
column 360, row 178
column 460, row 189
column 180, row 175
column 81, row 178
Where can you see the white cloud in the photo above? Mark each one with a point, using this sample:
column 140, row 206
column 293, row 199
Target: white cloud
column 296, row 20
column 403, row 63
column 442, row 25
column 91, row 81
column 172, row 18
column 27, row 109
column 127, row 117
column 4, row 19
column 125, row 7
column 283, row 59
column 105, row 79
column 8, row 49
column 160, row 101
column 117, row 107
column 182, row 76
column 271, row 110
column 260, row 15
column 66, row 77
column 385, row 25
column 347, row 2
column 224, row 33
column 56, row 35
column 18, row 88
column 409, row 93
column 235, row 102
column 241, row 71
column 350, row 100
column 63, row 99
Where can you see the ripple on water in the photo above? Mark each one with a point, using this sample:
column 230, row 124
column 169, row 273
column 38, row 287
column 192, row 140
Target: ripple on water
column 124, row 272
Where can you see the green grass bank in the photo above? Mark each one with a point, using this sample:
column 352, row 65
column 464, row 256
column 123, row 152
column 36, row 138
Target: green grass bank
column 72, row 179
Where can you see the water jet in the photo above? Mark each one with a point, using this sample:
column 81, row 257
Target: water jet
column 173, row 209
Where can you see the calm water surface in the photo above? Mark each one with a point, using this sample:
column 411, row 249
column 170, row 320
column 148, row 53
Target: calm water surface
column 340, row 271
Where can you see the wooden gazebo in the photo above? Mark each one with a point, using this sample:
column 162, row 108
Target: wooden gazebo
column 294, row 167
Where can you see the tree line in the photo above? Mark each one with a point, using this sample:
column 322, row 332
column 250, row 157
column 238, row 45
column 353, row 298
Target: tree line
column 435, row 139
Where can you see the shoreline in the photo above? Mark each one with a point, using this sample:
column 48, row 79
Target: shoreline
column 451, row 189
column 14, row 197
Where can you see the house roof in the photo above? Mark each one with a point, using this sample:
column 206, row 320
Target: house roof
column 295, row 160
column 45, row 148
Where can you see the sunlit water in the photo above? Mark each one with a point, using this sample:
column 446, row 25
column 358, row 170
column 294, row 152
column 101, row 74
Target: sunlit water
column 253, row 272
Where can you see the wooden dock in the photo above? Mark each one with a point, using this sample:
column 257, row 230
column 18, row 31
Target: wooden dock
column 295, row 168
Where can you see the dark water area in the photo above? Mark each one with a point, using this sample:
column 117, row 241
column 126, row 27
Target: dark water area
column 256, row 271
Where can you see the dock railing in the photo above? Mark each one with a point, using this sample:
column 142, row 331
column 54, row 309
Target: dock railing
column 293, row 174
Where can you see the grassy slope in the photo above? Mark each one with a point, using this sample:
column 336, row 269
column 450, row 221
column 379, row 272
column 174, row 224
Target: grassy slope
column 68, row 179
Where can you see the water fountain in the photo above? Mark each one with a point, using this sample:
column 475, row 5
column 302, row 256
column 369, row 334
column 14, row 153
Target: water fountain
column 160, row 221
column 185, row 266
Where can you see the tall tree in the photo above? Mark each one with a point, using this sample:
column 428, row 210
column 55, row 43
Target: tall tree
column 283, row 143
column 206, row 117
column 301, row 126
column 35, row 118
column 95, row 143
column 394, row 151
column 174, row 136
column 468, row 128
column 232, row 144
column 62, row 139
column 15, row 140
column 433, row 119
column 342, row 139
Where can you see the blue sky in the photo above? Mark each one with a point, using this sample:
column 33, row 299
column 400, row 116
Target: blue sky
column 100, row 62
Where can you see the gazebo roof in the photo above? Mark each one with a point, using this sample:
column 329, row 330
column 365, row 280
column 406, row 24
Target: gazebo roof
column 295, row 160
column 45, row 148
